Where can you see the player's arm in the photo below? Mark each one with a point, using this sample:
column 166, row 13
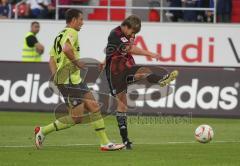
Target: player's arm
column 138, row 51
column 52, row 65
column 68, row 51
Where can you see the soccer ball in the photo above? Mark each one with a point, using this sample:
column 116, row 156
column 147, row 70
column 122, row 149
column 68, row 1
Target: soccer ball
column 204, row 133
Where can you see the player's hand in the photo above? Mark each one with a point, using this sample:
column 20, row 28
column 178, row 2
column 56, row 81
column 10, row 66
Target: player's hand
column 101, row 66
column 155, row 56
column 82, row 65
column 79, row 64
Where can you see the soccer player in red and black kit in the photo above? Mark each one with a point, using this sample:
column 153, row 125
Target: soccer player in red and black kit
column 121, row 69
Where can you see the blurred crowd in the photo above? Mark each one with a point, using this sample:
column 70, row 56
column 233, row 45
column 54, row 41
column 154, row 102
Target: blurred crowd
column 36, row 9
column 224, row 8
column 45, row 9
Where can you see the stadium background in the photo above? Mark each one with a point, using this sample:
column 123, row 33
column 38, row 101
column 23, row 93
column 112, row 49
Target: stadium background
column 206, row 54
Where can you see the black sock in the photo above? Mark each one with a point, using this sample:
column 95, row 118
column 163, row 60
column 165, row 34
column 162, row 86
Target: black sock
column 122, row 124
column 154, row 78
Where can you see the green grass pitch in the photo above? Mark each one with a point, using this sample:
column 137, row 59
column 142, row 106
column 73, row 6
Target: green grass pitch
column 159, row 144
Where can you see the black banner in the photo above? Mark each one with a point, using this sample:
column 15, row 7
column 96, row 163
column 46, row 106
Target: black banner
column 200, row 91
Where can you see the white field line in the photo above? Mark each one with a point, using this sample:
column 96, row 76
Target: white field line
column 160, row 143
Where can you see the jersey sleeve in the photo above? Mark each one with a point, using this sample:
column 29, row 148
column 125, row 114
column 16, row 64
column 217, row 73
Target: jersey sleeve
column 72, row 36
column 114, row 39
column 52, row 52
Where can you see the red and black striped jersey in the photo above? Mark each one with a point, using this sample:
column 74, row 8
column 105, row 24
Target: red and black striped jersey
column 117, row 50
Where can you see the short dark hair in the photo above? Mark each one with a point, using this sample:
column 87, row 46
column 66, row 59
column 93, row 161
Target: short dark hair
column 133, row 22
column 34, row 22
column 72, row 13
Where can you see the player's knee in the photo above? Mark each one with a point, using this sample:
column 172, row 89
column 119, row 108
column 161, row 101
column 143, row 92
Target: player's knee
column 122, row 107
column 93, row 106
column 145, row 70
column 142, row 73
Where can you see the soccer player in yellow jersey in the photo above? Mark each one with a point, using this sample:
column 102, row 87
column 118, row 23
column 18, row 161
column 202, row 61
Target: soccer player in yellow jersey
column 65, row 66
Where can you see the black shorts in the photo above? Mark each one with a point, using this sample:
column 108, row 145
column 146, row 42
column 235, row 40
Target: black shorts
column 118, row 82
column 73, row 94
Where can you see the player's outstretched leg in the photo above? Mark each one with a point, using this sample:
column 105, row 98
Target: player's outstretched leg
column 162, row 78
column 169, row 78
